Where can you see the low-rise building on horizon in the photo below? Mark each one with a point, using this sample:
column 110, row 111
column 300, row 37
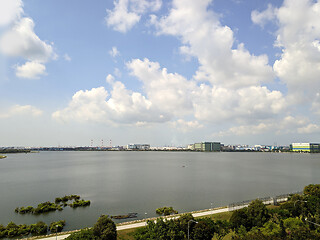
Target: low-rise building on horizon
column 305, row 147
column 132, row 146
column 206, row 146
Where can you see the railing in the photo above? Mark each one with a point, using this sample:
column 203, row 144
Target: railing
column 265, row 200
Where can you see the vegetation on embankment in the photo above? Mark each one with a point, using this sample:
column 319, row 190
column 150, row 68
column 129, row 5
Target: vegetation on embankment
column 59, row 203
column 295, row 219
column 13, row 230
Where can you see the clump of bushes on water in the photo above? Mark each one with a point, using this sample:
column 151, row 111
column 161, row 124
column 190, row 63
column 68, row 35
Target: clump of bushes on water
column 57, row 205
column 41, row 208
column 40, row 228
column 166, row 211
column 80, row 203
column 67, row 198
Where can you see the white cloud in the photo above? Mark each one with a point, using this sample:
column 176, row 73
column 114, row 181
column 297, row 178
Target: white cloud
column 170, row 92
column 298, row 36
column 67, row 57
column 186, row 126
column 18, row 110
column 170, row 96
column 205, row 38
column 21, row 41
column 280, row 126
column 249, row 104
column 122, row 106
column 311, row 128
column 10, row 10
column 114, row 52
column 110, row 79
column 31, row 70
column 261, row 18
column 127, row 13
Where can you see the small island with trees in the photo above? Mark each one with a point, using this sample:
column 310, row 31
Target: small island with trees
column 59, row 203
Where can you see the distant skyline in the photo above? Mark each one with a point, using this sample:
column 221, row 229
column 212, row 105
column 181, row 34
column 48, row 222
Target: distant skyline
column 159, row 72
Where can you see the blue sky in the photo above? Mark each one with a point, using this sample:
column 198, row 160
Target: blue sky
column 159, row 72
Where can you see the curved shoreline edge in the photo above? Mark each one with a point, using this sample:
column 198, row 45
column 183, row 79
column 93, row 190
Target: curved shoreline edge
column 142, row 222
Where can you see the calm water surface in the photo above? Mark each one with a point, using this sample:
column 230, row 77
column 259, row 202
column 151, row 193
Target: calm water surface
column 123, row 182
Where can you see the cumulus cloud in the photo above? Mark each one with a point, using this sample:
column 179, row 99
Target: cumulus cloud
column 261, row 18
column 288, row 124
column 168, row 91
column 127, row 13
column 18, row 110
column 20, row 40
column 298, row 36
column 204, row 37
column 170, row 96
column 311, row 128
column 122, row 106
column 10, row 10
column 249, row 104
column 31, row 70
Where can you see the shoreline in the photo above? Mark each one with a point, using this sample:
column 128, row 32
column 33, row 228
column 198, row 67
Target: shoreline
column 143, row 222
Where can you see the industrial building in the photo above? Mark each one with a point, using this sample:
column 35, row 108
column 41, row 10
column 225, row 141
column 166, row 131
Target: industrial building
column 305, row 147
column 138, row 146
column 207, row 146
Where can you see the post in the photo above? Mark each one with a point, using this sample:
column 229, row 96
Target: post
column 57, row 231
column 145, row 214
column 189, row 227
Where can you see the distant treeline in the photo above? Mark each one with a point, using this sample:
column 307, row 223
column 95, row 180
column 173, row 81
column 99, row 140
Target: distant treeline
column 12, row 150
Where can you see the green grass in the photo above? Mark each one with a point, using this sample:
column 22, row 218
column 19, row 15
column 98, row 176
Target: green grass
column 219, row 216
column 126, row 234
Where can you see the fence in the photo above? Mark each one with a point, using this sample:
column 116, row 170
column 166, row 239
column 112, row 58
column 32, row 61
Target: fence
column 266, row 200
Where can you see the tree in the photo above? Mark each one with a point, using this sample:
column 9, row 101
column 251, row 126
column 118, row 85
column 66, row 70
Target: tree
column 105, row 229
column 312, row 190
column 271, row 229
column 222, row 229
column 240, row 218
column 204, row 230
column 257, row 213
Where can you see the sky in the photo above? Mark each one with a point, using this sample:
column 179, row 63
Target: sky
column 167, row 73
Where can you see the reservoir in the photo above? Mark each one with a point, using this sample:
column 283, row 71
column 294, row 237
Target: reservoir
column 126, row 182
